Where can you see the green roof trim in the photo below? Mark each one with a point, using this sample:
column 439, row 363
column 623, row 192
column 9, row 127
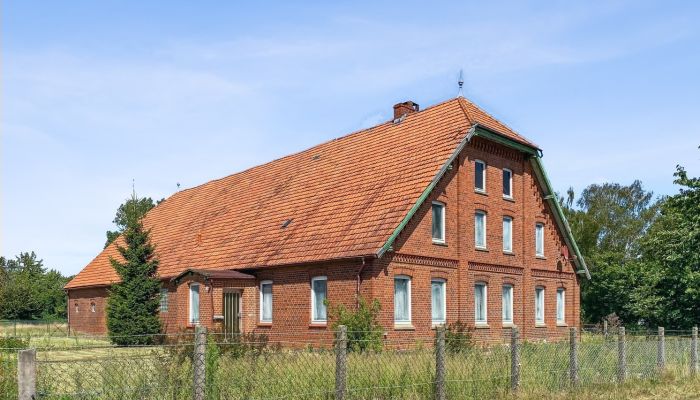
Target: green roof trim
column 541, row 175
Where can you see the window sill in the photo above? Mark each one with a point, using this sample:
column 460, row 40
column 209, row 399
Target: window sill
column 264, row 324
column 508, row 253
column 508, row 325
column 481, row 325
column 509, row 198
column 540, row 325
column 481, row 192
column 439, row 243
column 484, row 249
column 318, row 325
column 437, row 325
column 562, row 324
column 541, row 257
column 404, row 327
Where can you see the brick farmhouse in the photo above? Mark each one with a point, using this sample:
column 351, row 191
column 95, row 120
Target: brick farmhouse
column 442, row 214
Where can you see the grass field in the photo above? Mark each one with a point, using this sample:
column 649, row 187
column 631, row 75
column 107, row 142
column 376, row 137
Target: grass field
column 87, row 368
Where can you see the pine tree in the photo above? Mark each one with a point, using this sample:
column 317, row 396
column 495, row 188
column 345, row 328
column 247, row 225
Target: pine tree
column 133, row 303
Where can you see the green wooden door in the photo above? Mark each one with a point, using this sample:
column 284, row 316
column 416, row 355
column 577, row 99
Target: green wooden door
column 232, row 313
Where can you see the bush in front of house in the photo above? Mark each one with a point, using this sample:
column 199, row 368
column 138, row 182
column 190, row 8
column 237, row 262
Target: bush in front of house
column 458, row 337
column 364, row 331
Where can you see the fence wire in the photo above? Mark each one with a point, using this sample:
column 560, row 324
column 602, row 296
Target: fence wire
column 259, row 366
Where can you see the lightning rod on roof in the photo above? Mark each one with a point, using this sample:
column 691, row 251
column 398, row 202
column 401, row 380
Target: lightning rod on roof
column 460, row 82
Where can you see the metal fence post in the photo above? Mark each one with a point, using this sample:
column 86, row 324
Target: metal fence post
column 199, row 362
column 621, row 356
column 341, row 362
column 440, row 364
column 26, row 374
column 694, row 352
column 661, row 351
column 514, row 359
column 573, row 357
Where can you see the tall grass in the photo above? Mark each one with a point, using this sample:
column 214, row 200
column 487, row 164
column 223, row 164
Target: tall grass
column 94, row 369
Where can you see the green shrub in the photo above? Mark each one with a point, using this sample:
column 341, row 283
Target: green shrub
column 12, row 344
column 458, row 338
column 364, row 332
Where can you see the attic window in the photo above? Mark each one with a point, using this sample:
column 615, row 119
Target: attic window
column 316, row 157
column 286, row 223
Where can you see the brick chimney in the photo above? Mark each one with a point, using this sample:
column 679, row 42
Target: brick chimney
column 405, row 108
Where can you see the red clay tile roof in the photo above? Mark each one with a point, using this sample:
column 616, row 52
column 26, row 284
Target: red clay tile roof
column 344, row 198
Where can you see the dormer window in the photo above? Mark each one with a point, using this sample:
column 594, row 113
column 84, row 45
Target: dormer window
column 480, row 176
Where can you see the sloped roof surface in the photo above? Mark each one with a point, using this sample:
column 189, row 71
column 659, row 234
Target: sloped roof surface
column 344, row 199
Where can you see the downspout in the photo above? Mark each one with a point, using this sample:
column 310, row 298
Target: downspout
column 359, row 281
column 211, row 299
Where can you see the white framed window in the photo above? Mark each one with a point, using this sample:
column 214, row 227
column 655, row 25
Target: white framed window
column 319, row 288
column 507, row 183
column 561, row 303
column 194, row 303
column 539, row 305
column 539, row 240
column 77, row 309
column 507, row 306
column 480, row 302
column 480, row 229
column 402, row 299
column 438, row 222
column 266, row 301
column 508, row 234
column 480, row 176
column 93, row 308
column 163, row 300
column 438, row 301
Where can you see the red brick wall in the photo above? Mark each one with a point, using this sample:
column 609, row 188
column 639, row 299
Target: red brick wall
column 521, row 269
column 81, row 318
column 291, row 299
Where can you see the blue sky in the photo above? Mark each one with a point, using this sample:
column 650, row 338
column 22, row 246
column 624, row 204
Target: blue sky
column 95, row 94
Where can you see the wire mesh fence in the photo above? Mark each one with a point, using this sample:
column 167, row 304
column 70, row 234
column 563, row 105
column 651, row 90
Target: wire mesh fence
column 16, row 328
column 328, row 365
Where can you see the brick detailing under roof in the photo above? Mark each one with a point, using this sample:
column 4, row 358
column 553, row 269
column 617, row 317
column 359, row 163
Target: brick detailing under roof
column 344, row 198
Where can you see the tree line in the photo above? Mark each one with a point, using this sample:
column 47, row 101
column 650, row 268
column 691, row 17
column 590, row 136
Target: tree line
column 643, row 253
column 29, row 291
